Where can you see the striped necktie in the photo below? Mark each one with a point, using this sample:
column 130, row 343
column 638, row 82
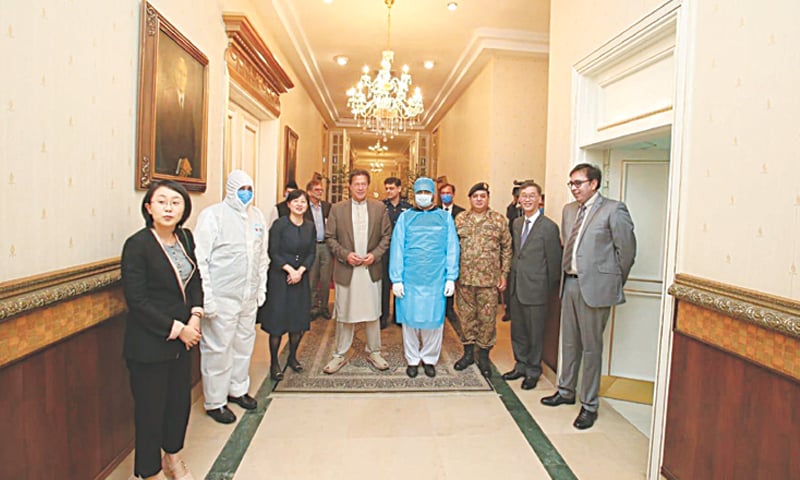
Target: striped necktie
column 525, row 232
column 573, row 237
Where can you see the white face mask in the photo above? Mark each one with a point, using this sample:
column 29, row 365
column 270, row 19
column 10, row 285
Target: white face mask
column 423, row 200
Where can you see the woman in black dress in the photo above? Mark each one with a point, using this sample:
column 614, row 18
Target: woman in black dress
column 292, row 246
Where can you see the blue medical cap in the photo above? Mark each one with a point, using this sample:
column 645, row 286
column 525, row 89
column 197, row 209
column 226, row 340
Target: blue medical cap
column 424, row 183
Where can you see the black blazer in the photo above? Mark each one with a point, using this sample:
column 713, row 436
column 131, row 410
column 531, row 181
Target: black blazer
column 536, row 265
column 155, row 297
column 455, row 210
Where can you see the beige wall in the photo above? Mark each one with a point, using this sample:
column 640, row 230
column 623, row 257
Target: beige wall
column 577, row 27
column 740, row 209
column 68, row 125
column 496, row 131
column 740, row 201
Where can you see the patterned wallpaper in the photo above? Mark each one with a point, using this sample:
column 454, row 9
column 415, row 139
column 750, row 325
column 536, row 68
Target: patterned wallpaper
column 68, row 125
column 741, row 208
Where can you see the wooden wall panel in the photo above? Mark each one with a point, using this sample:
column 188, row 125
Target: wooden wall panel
column 729, row 418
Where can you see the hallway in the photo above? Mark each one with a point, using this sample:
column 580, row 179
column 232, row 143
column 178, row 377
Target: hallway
column 424, row 436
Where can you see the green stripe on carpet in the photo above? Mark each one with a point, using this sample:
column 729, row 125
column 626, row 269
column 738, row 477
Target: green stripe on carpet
column 232, row 453
column 230, row 457
column 552, row 460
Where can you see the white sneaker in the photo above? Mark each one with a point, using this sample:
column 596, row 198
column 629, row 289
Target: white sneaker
column 335, row 365
column 378, row 361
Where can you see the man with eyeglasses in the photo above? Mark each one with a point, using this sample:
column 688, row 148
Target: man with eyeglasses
column 599, row 251
column 535, row 274
column 320, row 274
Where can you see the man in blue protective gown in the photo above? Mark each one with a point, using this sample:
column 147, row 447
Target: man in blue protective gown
column 423, row 268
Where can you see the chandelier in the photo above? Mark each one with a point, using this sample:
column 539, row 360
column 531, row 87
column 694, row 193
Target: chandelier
column 375, row 167
column 378, row 148
column 382, row 105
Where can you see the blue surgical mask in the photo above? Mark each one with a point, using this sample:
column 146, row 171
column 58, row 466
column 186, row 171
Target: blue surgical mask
column 447, row 198
column 245, row 196
column 423, row 200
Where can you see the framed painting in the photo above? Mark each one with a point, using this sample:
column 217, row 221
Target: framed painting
column 173, row 106
column 289, row 156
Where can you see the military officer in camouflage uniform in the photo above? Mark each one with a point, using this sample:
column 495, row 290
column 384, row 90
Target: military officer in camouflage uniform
column 485, row 263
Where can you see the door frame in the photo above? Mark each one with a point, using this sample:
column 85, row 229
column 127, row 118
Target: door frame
column 674, row 17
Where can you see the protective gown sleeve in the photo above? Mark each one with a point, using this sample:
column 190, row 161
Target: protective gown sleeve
column 453, row 251
column 396, row 250
column 205, row 234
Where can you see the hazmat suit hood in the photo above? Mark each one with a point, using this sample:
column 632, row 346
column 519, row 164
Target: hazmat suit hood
column 236, row 180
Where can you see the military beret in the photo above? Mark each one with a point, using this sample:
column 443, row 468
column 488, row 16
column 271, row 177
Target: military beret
column 479, row 186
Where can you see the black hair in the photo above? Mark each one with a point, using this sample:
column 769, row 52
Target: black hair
column 172, row 185
column 592, row 172
column 452, row 187
column 530, row 183
column 291, row 184
column 294, row 194
column 357, row 172
column 393, row 181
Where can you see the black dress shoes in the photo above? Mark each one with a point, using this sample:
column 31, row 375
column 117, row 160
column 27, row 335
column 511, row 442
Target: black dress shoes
column 512, row 375
column 275, row 373
column 430, row 370
column 326, row 314
column 529, row 383
column 412, row 370
column 245, row 401
column 585, row 419
column 222, row 414
column 556, row 399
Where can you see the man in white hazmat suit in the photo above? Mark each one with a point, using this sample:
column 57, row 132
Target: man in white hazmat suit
column 231, row 250
column 423, row 268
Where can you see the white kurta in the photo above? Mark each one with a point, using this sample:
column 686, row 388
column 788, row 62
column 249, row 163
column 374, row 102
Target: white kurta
column 361, row 300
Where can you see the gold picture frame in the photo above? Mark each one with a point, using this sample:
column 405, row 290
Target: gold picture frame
column 172, row 125
column 290, row 156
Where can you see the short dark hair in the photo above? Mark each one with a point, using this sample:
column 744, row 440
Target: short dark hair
column 291, row 184
column 172, row 185
column 393, row 181
column 529, row 183
column 357, row 172
column 592, row 172
column 294, row 194
column 453, row 187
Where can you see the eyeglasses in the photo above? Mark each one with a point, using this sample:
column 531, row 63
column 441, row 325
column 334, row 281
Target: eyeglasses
column 576, row 183
column 528, row 197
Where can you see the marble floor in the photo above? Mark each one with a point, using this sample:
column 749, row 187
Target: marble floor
column 413, row 435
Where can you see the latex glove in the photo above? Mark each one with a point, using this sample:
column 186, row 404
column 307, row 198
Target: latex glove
column 261, row 298
column 449, row 288
column 398, row 290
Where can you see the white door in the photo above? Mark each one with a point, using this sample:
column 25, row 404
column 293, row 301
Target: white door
column 241, row 142
column 640, row 179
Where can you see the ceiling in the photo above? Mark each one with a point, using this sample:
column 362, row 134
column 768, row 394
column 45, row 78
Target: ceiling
column 312, row 32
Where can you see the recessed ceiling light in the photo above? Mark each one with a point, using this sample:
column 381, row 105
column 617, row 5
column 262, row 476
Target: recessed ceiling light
column 328, row 1
column 428, row 64
column 452, row 6
column 341, row 60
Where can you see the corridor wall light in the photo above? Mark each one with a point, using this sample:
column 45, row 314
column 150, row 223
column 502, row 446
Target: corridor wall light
column 341, row 60
column 452, row 6
column 428, row 64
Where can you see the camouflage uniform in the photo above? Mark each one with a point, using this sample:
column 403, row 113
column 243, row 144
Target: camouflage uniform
column 485, row 259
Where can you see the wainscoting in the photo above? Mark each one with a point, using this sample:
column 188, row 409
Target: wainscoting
column 67, row 410
column 734, row 387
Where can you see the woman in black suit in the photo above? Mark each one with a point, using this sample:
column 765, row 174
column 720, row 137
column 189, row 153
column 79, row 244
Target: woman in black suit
column 292, row 247
column 164, row 293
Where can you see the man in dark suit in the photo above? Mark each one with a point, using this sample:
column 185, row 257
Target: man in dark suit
column 535, row 274
column 320, row 273
column 177, row 143
column 446, row 193
column 599, row 251
column 282, row 208
column 358, row 233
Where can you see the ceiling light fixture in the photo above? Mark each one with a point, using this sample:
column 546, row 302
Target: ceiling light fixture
column 375, row 167
column 341, row 60
column 382, row 105
column 378, row 148
column 452, row 6
column 428, row 64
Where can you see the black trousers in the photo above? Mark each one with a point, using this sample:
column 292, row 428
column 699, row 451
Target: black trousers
column 450, row 313
column 162, row 399
column 386, row 292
